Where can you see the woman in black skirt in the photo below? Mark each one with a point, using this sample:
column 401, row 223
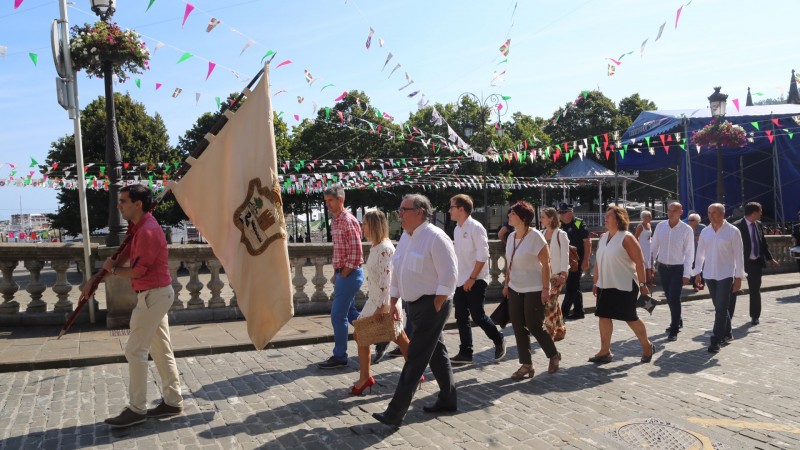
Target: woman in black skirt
column 618, row 269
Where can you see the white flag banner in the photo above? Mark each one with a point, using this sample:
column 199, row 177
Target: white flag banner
column 232, row 194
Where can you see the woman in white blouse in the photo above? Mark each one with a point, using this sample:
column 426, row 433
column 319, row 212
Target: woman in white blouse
column 527, row 287
column 379, row 277
column 558, row 242
column 618, row 269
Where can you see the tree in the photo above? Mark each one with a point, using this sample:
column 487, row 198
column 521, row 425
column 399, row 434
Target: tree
column 631, row 106
column 142, row 138
column 353, row 135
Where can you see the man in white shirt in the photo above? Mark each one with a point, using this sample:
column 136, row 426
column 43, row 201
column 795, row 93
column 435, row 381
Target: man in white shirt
column 424, row 275
column 472, row 251
column 721, row 260
column 672, row 247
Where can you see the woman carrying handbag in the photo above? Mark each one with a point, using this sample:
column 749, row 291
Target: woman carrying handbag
column 379, row 276
column 559, row 269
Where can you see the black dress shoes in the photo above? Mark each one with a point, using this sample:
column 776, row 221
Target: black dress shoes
column 387, row 420
column 380, row 349
column 755, row 322
column 439, row 407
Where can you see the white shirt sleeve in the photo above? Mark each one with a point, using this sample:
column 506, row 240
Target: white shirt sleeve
column 700, row 255
column 564, row 252
column 480, row 242
column 688, row 252
column 738, row 253
column 444, row 261
column 654, row 243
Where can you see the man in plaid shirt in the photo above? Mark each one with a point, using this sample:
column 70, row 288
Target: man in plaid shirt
column 347, row 260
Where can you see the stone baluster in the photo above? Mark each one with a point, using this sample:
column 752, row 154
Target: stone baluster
column 35, row 287
column 215, row 285
column 234, row 303
column 299, row 281
column 174, row 265
column 194, row 285
column 61, row 286
column 495, row 288
column 319, row 281
column 8, row 288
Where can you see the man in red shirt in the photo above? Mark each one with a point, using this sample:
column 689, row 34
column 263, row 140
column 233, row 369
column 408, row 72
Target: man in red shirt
column 347, row 260
column 149, row 274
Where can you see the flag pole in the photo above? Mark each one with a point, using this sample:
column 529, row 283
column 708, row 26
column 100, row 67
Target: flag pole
column 94, row 282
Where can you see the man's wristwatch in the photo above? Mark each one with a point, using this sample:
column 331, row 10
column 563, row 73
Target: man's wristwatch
column 641, row 284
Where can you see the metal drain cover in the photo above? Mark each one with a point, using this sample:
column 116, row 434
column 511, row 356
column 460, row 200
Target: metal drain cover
column 655, row 435
column 120, row 332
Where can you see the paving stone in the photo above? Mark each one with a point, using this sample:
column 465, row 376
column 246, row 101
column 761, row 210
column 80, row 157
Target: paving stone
column 277, row 399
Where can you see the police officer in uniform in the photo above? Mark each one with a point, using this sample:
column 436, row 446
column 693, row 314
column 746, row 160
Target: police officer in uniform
column 578, row 233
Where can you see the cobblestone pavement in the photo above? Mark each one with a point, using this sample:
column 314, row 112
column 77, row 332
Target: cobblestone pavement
column 747, row 396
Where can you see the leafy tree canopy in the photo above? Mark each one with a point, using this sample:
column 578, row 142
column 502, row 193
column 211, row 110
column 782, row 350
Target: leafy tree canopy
column 142, row 138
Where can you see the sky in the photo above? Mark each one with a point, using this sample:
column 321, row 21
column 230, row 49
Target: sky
column 558, row 49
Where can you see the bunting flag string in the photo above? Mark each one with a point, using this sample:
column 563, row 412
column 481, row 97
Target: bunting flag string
column 612, row 70
column 525, row 152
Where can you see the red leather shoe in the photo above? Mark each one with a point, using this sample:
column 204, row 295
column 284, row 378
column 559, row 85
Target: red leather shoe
column 360, row 390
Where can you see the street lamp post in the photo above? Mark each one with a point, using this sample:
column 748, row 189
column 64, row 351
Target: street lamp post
column 718, row 102
column 116, row 230
column 494, row 101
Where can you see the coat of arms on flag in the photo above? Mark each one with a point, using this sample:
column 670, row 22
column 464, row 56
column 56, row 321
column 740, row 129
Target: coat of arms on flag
column 260, row 217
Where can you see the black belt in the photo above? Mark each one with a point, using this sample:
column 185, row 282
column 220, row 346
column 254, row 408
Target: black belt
column 339, row 270
column 671, row 265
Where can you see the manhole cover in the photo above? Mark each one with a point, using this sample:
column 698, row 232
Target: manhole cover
column 120, row 332
column 655, row 435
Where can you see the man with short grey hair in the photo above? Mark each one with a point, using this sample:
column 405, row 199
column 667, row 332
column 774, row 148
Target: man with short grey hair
column 347, row 260
column 721, row 260
column 424, row 275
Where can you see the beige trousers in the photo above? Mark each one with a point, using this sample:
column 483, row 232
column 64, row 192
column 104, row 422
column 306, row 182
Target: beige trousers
column 150, row 335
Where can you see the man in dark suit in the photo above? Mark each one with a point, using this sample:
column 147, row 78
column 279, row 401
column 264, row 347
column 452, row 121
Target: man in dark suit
column 756, row 257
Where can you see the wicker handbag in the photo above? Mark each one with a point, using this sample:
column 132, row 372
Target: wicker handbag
column 375, row 328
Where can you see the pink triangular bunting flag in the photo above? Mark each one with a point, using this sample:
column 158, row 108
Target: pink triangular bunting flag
column 211, row 67
column 158, row 86
column 189, row 9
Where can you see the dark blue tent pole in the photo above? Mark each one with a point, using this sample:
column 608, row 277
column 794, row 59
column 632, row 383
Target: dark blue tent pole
column 776, row 179
column 689, row 182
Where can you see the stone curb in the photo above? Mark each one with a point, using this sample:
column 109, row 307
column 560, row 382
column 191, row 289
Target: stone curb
column 207, row 350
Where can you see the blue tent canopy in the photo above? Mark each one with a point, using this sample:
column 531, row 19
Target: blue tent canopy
column 755, row 172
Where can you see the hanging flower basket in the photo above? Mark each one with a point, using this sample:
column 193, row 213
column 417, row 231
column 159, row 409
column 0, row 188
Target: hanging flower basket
column 92, row 44
column 720, row 135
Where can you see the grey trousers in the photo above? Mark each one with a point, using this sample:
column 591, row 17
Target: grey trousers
column 426, row 347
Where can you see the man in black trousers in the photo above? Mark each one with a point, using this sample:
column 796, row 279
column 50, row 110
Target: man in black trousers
column 756, row 257
column 424, row 274
column 578, row 234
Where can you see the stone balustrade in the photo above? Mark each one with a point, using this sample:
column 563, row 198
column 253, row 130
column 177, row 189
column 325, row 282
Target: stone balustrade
column 41, row 283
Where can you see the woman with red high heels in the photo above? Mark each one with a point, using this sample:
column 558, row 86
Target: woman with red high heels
column 379, row 276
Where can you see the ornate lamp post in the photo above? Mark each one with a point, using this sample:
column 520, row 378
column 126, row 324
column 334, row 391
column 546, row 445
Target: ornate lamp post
column 718, row 102
column 116, row 230
column 491, row 101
